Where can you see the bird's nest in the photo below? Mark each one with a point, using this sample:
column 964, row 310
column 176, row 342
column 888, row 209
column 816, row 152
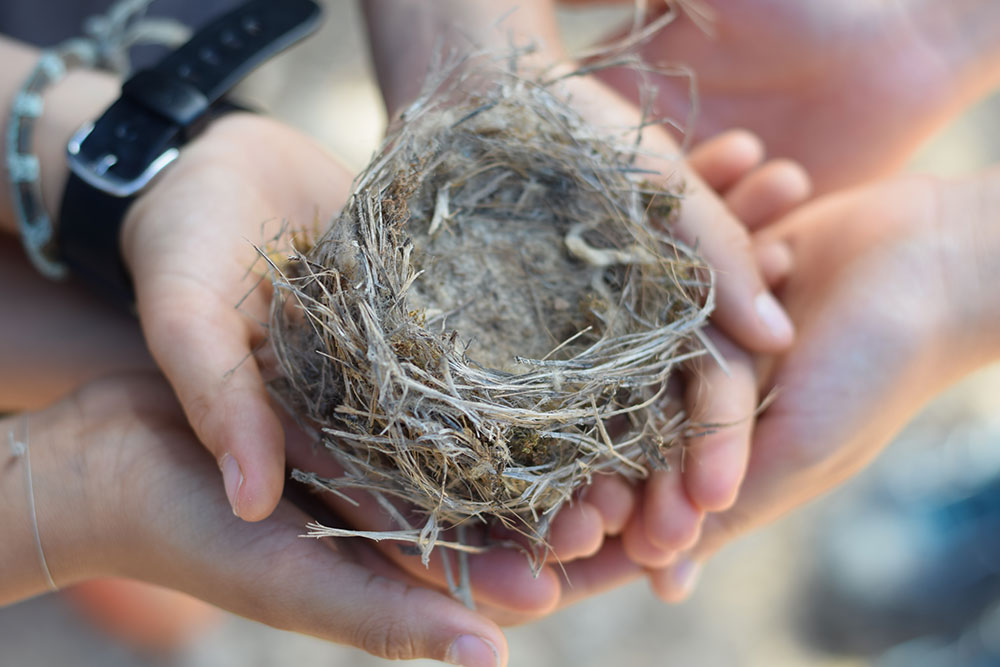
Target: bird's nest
column 500, row 291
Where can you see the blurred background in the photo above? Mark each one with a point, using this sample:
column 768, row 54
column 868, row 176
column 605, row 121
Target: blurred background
column 899, row 567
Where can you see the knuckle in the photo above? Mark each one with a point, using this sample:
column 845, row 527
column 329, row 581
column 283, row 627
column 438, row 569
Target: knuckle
column 199, row 411
column 735, row 239
column 385, row 637
column 675, row 534
column 726, row 527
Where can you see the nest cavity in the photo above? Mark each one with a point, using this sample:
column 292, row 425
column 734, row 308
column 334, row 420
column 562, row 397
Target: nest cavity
column 494, row 315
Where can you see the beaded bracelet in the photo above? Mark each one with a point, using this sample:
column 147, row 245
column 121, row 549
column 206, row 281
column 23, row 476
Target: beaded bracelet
column 106, row 45
column 22, row 165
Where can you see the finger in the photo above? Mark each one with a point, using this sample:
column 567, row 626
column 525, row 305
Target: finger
column 203, row 346
column 637, row 545
column 345, row 602
column 607, row 569
column 267, row 572
column 745, row 308
column 664, row 523
column 776, row 481
column 726, row 158
column 721, row 406
column 614, row 499
column 500, row 577
column 676, row 582
column 671, row 521
column 775, row 260
column 577, row 531
column 768, row 192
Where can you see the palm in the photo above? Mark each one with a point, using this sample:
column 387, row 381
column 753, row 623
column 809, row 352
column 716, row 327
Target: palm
column 154, row 492
column 846, row 88
column 866, row 357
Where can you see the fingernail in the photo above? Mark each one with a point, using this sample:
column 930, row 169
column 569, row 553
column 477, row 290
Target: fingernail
column 684, row 576
column 232, row 477
column 472, row 651
column 773, row 316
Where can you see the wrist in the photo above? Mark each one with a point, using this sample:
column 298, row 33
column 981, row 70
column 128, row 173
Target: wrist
column 89, row 479
column 19, row 561
column 49, row 494
column 984, row 239
column 74, row 101
column 969, row 245
column 68, row 104
column 406, row 36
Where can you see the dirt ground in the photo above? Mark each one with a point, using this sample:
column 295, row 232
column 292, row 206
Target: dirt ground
column 744, row 612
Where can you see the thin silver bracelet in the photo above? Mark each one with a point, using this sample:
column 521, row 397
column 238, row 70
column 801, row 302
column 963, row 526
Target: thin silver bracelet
column 20, row 448
column 106, row 45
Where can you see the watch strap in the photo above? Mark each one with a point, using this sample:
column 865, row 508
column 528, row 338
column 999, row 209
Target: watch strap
column 159, row 110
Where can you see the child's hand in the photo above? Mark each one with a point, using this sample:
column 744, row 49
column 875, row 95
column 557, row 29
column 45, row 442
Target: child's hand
column 188, row 243
column 665, row 514
column 673, row 502
column 708, row 470
column 745, row 310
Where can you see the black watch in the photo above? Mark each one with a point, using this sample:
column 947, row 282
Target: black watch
column 160, row 109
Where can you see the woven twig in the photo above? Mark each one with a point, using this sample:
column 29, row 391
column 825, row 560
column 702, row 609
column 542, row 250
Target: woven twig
column 499, row 287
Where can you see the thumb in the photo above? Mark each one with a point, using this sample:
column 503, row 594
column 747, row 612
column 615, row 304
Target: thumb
column 203, row 346
column 184, row 537
column 266, row 572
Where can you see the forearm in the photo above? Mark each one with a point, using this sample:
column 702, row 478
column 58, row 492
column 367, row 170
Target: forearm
column 405, row 34
column 78, row 98
column 981, row 243
column 966, row 34
column 962, row 247
column 46, row 352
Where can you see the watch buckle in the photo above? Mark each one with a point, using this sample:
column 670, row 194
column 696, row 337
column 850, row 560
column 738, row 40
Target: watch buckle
column 96, row 172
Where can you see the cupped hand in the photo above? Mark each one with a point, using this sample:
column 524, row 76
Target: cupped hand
column 100, row 337
column 189, row 243
column 706, row 479
column 647, row 527
column 124, row 489
column 706, row 473
column 724, row 179
column 745, row 309
column 891, row 293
